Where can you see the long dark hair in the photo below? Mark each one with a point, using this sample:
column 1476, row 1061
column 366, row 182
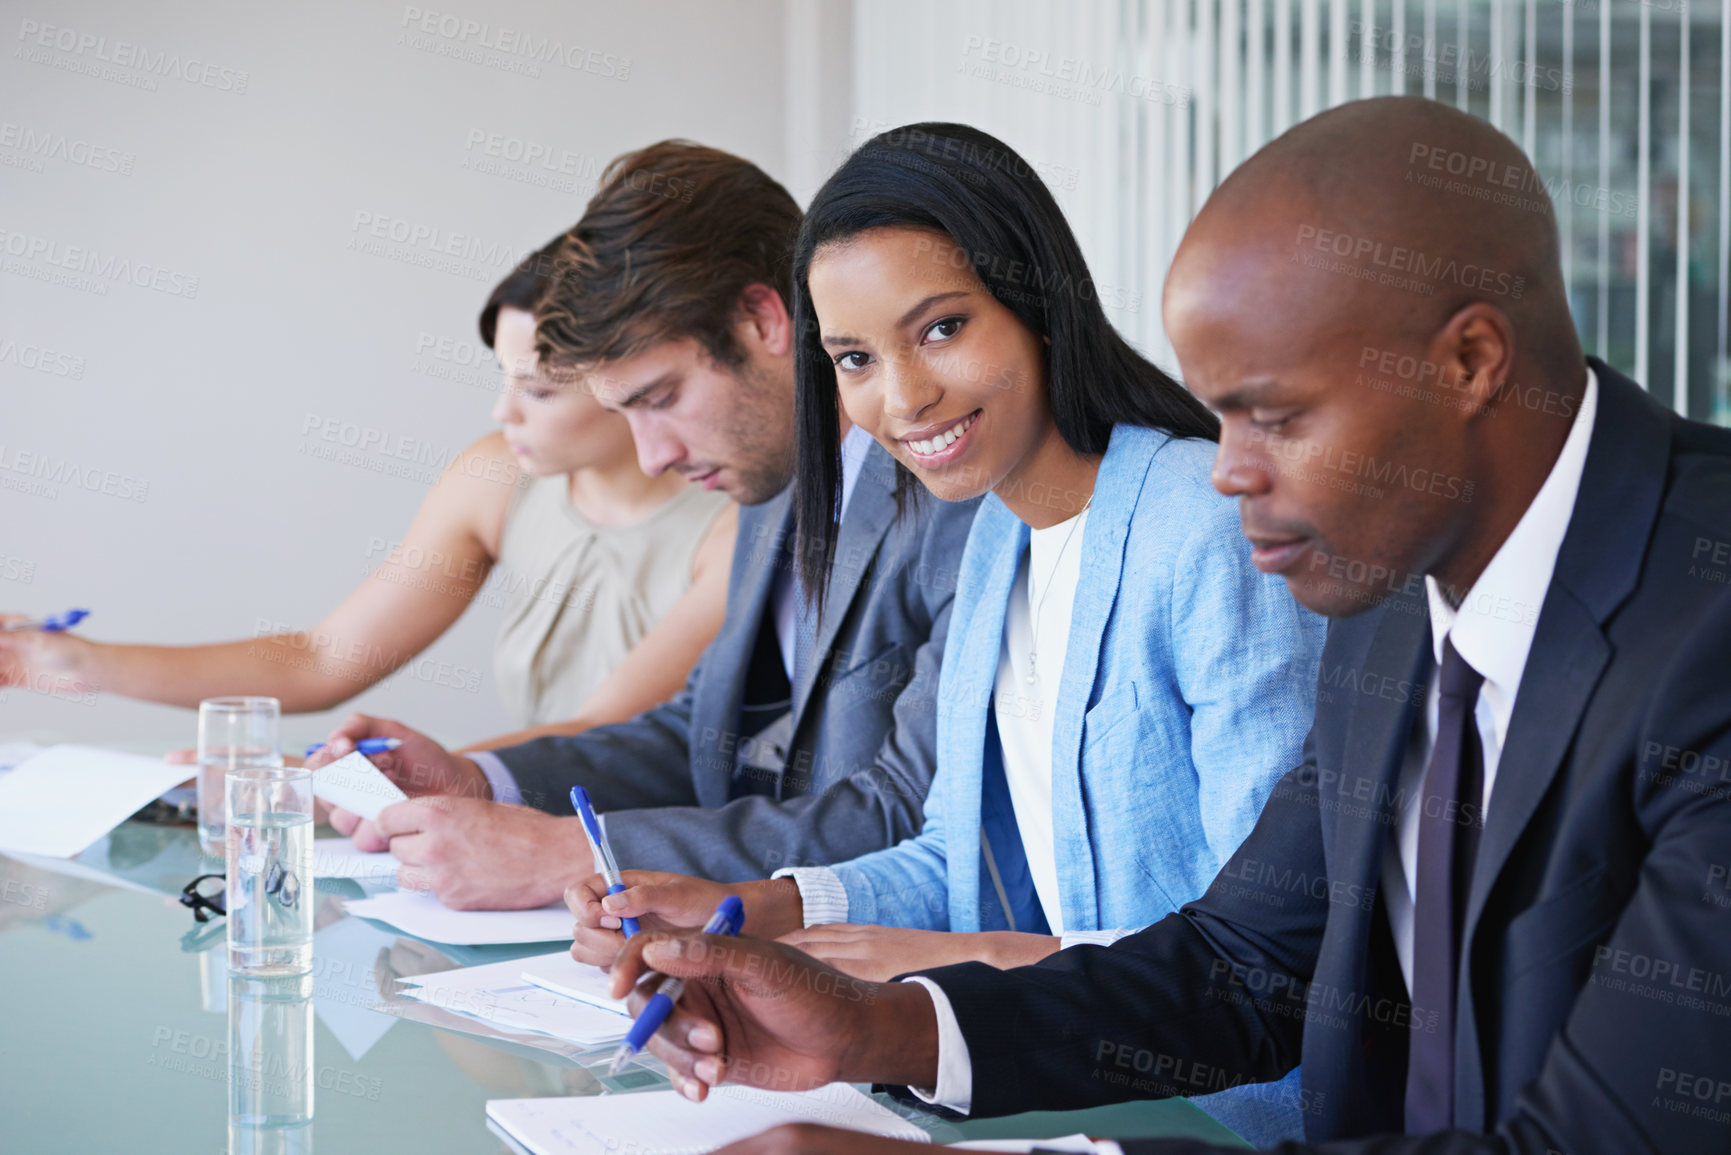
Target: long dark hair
column 998, row 212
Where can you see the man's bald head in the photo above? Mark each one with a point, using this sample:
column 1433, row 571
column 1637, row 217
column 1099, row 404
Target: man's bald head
column 1365, row 293
column 1410, row 193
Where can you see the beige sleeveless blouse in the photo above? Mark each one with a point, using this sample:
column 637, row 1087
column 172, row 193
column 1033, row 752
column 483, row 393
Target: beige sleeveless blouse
column 579, row 596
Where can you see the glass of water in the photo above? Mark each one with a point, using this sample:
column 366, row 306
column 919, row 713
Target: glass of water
column 270, row 1065
column 269, row 893
column 231, row 732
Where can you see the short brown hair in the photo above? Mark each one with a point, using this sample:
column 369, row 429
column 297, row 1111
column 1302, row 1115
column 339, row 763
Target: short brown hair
column 665, row 249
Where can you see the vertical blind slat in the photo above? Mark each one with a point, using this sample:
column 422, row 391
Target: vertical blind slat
column 1529, row 86
column 1602, row 341
column 1430, row 53
column 1462, row 43
column 1566, row 211
column 1337, row 52
column 1680, row 340
column 1282, row 67
column 1309, row 58
column 1499, row 56
column 1367, row 49
column 1720, row 367
column 1256, row 69
column 1397, row 61
column 1643, row 209
column 1231, row 88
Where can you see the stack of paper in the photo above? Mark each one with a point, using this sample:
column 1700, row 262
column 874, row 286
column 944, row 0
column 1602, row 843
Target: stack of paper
column 665, row 1123
column 496, row 993
column 564, row 975
column 14, row 752
column 419, row 913
column 60, row 801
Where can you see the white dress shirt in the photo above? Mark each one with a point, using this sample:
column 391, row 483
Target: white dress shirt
column 1493, row 632
column 1045, row 584
column 1025, row 693
column 786, row 604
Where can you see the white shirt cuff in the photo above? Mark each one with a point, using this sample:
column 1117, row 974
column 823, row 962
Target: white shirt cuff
column 1091, row 937
column 955, row 1089
column 504, row 786
column 821, row 893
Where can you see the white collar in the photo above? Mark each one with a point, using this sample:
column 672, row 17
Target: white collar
column 1493, row 626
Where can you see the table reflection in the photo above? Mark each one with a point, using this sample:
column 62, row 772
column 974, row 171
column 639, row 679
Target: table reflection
column 270, row 1065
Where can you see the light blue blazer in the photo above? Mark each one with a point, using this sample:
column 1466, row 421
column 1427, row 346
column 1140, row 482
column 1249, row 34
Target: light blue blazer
column 1188, row 687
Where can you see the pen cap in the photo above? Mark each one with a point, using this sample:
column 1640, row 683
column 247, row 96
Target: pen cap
column 730, row 915
column 60, row 623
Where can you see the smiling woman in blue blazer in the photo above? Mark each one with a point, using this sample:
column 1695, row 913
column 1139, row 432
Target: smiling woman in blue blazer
column 1121, row 689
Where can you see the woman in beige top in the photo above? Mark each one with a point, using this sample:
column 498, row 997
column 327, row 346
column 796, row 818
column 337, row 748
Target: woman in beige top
column 614, row 581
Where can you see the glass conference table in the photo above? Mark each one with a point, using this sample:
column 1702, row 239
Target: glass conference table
column 116, row 1009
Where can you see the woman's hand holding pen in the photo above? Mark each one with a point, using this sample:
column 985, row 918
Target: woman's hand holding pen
column 661, row 900
column 763, row 1014
column 49, row 662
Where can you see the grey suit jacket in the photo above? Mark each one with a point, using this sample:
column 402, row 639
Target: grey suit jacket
column 862, row 749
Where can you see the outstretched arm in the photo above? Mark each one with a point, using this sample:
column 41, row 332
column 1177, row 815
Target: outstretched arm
column 416, row 593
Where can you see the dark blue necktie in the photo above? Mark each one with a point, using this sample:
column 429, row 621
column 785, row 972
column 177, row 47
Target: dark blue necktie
column 1450, row 818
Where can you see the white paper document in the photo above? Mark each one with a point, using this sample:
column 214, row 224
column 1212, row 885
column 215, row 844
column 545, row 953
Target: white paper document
column 1077, row 1144
column 338, row 858
column 496, row 993
column 564, row 975
column 419, row 913
column 12, row 753
column 63, row 799
column 665, row 1123
column 356, row 785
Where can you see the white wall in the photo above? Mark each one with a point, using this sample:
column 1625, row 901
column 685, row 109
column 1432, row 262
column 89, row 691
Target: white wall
column 200, row 405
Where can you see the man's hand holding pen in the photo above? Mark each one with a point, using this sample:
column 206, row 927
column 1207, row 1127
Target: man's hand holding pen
column 766, row 1015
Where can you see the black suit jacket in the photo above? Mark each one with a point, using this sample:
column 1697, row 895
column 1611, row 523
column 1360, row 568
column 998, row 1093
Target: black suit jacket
column 1596, row 996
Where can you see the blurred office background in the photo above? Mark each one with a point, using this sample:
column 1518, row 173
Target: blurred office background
column 242, row 246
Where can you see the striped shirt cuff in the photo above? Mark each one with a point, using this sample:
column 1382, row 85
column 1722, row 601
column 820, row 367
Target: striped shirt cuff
column 1092, row 937
column 821, row 894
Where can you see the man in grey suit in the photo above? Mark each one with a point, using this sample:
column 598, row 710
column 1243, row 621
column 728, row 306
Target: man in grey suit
column 797, row 739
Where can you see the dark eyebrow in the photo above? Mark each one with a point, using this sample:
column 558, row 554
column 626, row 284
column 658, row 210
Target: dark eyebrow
column 1246, row 396
column 637, row 395
column 832, row 339
column 908, row 317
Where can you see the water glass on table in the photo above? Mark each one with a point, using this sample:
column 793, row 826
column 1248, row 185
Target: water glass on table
column 232, row 732
column 269, row 891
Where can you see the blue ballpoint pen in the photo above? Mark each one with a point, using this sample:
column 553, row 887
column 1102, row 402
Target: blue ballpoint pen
column 728, row 918
column 52, row 624
column 602, row 853
column 364, row 746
